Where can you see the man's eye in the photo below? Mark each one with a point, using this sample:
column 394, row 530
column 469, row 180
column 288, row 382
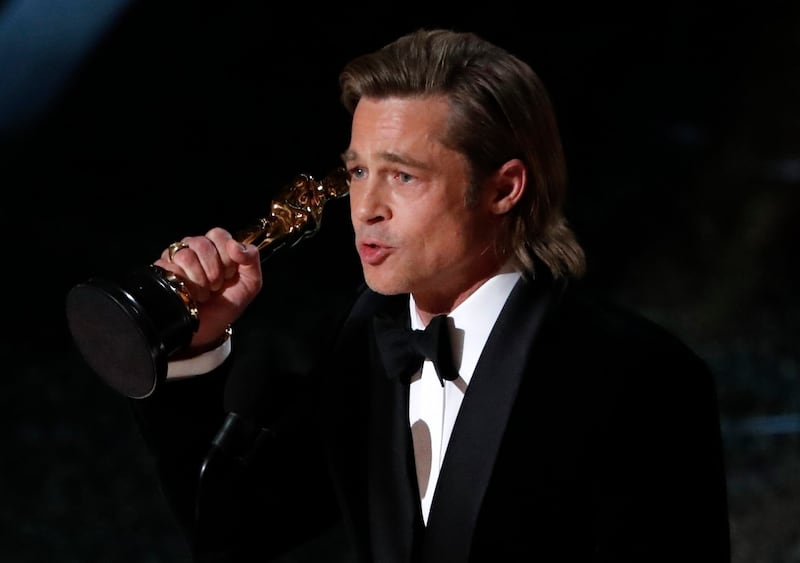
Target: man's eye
column 404, row 178
column 357, row 172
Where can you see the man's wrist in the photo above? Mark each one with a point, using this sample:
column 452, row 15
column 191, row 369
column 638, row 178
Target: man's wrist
column 201, row 361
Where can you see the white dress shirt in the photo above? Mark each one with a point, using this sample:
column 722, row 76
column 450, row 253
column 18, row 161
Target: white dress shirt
column 432, row 408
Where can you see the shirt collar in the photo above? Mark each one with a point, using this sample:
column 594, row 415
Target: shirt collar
column 474, row 318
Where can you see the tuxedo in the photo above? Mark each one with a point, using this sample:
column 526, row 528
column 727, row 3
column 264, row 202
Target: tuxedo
column 587, row 433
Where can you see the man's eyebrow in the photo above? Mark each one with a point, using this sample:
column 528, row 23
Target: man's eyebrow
column 388, row 156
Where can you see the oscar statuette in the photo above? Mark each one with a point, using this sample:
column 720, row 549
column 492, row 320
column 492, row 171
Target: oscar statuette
column 126, row 329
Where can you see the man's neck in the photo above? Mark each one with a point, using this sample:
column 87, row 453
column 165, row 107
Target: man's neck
column 431, row 304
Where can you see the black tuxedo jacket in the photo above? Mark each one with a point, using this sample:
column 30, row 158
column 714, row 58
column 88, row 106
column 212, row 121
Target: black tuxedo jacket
column 587, row 434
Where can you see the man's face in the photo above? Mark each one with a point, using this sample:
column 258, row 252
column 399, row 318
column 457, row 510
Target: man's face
column 413, row 232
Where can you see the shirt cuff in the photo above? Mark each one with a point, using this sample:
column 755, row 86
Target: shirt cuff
column 200, row 364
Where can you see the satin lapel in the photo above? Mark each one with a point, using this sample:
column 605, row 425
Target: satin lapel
column 481, row 421
column 393, row 498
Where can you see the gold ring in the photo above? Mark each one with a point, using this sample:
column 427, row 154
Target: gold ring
column 174, row 248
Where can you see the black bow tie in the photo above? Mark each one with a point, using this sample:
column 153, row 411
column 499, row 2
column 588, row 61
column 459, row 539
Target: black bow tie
column 404, row 350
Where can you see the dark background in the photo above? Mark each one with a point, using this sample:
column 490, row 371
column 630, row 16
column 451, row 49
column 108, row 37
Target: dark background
column 126, row 125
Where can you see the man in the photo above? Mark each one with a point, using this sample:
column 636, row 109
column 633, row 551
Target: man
column 556, row 428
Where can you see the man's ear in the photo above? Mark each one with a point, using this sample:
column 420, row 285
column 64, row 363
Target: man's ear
column 507, row 186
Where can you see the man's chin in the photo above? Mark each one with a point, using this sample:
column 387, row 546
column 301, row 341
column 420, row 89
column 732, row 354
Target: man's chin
column 379, row 284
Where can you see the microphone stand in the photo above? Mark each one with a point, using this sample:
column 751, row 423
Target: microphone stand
column 234, row 445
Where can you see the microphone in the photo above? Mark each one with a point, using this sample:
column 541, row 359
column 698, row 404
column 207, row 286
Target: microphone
column 266, row 391
column 268, row 379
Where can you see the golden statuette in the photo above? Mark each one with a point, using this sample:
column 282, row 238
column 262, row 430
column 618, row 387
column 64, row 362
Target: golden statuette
column 296, row 211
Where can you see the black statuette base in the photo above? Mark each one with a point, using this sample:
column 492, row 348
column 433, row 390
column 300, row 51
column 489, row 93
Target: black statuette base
column 127, row 329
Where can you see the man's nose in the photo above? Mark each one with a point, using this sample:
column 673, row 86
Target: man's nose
column 367, row 202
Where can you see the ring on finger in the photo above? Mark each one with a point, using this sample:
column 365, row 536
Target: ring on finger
column 174, row 248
